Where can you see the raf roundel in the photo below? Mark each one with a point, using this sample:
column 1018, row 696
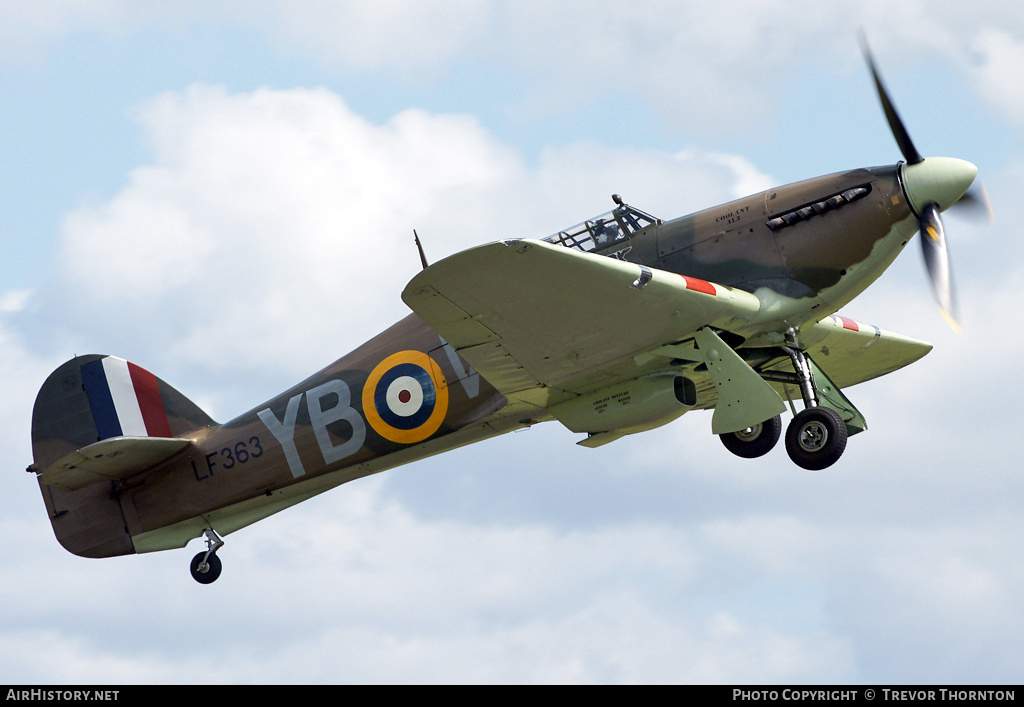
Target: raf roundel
column 405, row 398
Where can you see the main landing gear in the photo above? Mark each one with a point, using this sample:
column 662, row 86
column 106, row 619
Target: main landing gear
column 816, row 437
column 754, row 441
column 206, row 566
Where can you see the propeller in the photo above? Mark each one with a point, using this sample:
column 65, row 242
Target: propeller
column 932, row 186
column 899, row 131
column 936, row 260
column 975, row 203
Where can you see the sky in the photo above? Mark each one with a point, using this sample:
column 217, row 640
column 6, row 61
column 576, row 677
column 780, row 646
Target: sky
column 224, row 193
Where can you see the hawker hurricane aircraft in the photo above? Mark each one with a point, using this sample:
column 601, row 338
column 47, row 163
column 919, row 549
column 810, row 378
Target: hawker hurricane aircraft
column 612, row 327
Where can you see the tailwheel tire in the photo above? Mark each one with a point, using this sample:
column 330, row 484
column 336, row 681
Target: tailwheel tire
column 207, row 574
column 754, row 441
column 816, row 438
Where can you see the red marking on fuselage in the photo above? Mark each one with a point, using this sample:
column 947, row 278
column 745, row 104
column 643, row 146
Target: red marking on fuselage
column 405, row 396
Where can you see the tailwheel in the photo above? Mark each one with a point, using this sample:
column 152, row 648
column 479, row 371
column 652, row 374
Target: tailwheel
column 816, row 438
column 755, row 441
column 205, row 570
column 206, row 566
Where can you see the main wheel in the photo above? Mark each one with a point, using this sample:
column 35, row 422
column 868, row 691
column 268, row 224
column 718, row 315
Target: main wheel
column 754, row 441
column 816, row 438
column 208, row 574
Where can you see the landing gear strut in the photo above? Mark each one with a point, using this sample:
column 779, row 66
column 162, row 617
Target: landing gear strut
column 816, row 437
column 206, row 566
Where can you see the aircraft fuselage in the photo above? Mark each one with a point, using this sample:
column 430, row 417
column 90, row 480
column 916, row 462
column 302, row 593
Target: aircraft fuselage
column 804, row 250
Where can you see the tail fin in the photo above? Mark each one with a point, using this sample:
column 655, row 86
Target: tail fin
column 99, row 421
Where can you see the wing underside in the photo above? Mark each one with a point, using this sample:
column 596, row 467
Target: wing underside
column 852, row 352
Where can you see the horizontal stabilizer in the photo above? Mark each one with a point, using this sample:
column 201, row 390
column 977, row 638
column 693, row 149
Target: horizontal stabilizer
column 114, row 459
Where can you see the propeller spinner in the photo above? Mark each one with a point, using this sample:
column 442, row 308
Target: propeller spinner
column 932, row 186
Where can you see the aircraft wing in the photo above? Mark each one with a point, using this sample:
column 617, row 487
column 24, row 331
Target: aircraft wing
column 852, row 352
column 543, row 323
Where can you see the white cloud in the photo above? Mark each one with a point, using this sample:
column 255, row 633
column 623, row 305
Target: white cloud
column 997, row 55
column 388, row 597
column 30, row 31
column 270, row 220
column 14, row 300
column 28, row 28
column 273, row 219
column 706, row 68
column 411, row 37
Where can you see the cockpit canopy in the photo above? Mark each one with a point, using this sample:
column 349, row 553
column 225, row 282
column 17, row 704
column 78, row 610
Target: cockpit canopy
column 606, row 230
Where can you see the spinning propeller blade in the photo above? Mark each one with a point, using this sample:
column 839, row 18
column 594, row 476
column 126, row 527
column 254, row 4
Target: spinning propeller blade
column 975, row 203
column 936, row 259
column 899, row 131
column 932, row 186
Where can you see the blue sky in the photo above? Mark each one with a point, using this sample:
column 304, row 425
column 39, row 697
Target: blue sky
column 224, row 193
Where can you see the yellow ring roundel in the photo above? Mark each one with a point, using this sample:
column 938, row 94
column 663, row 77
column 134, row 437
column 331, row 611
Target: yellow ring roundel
column 405, row 398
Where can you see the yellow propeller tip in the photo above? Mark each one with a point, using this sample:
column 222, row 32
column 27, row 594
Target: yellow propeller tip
column 952, row 322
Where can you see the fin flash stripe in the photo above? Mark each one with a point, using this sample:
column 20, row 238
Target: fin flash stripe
column 124, row 399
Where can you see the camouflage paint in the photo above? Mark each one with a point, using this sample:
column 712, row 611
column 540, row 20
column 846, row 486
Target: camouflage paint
column 405, row 394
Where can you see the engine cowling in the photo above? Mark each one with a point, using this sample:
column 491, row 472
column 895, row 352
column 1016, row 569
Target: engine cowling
column 630, row 406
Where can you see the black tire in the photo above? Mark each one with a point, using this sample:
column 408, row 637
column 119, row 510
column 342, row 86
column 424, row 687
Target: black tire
column 816, row 438
column 754, row 441
column 210, row 574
